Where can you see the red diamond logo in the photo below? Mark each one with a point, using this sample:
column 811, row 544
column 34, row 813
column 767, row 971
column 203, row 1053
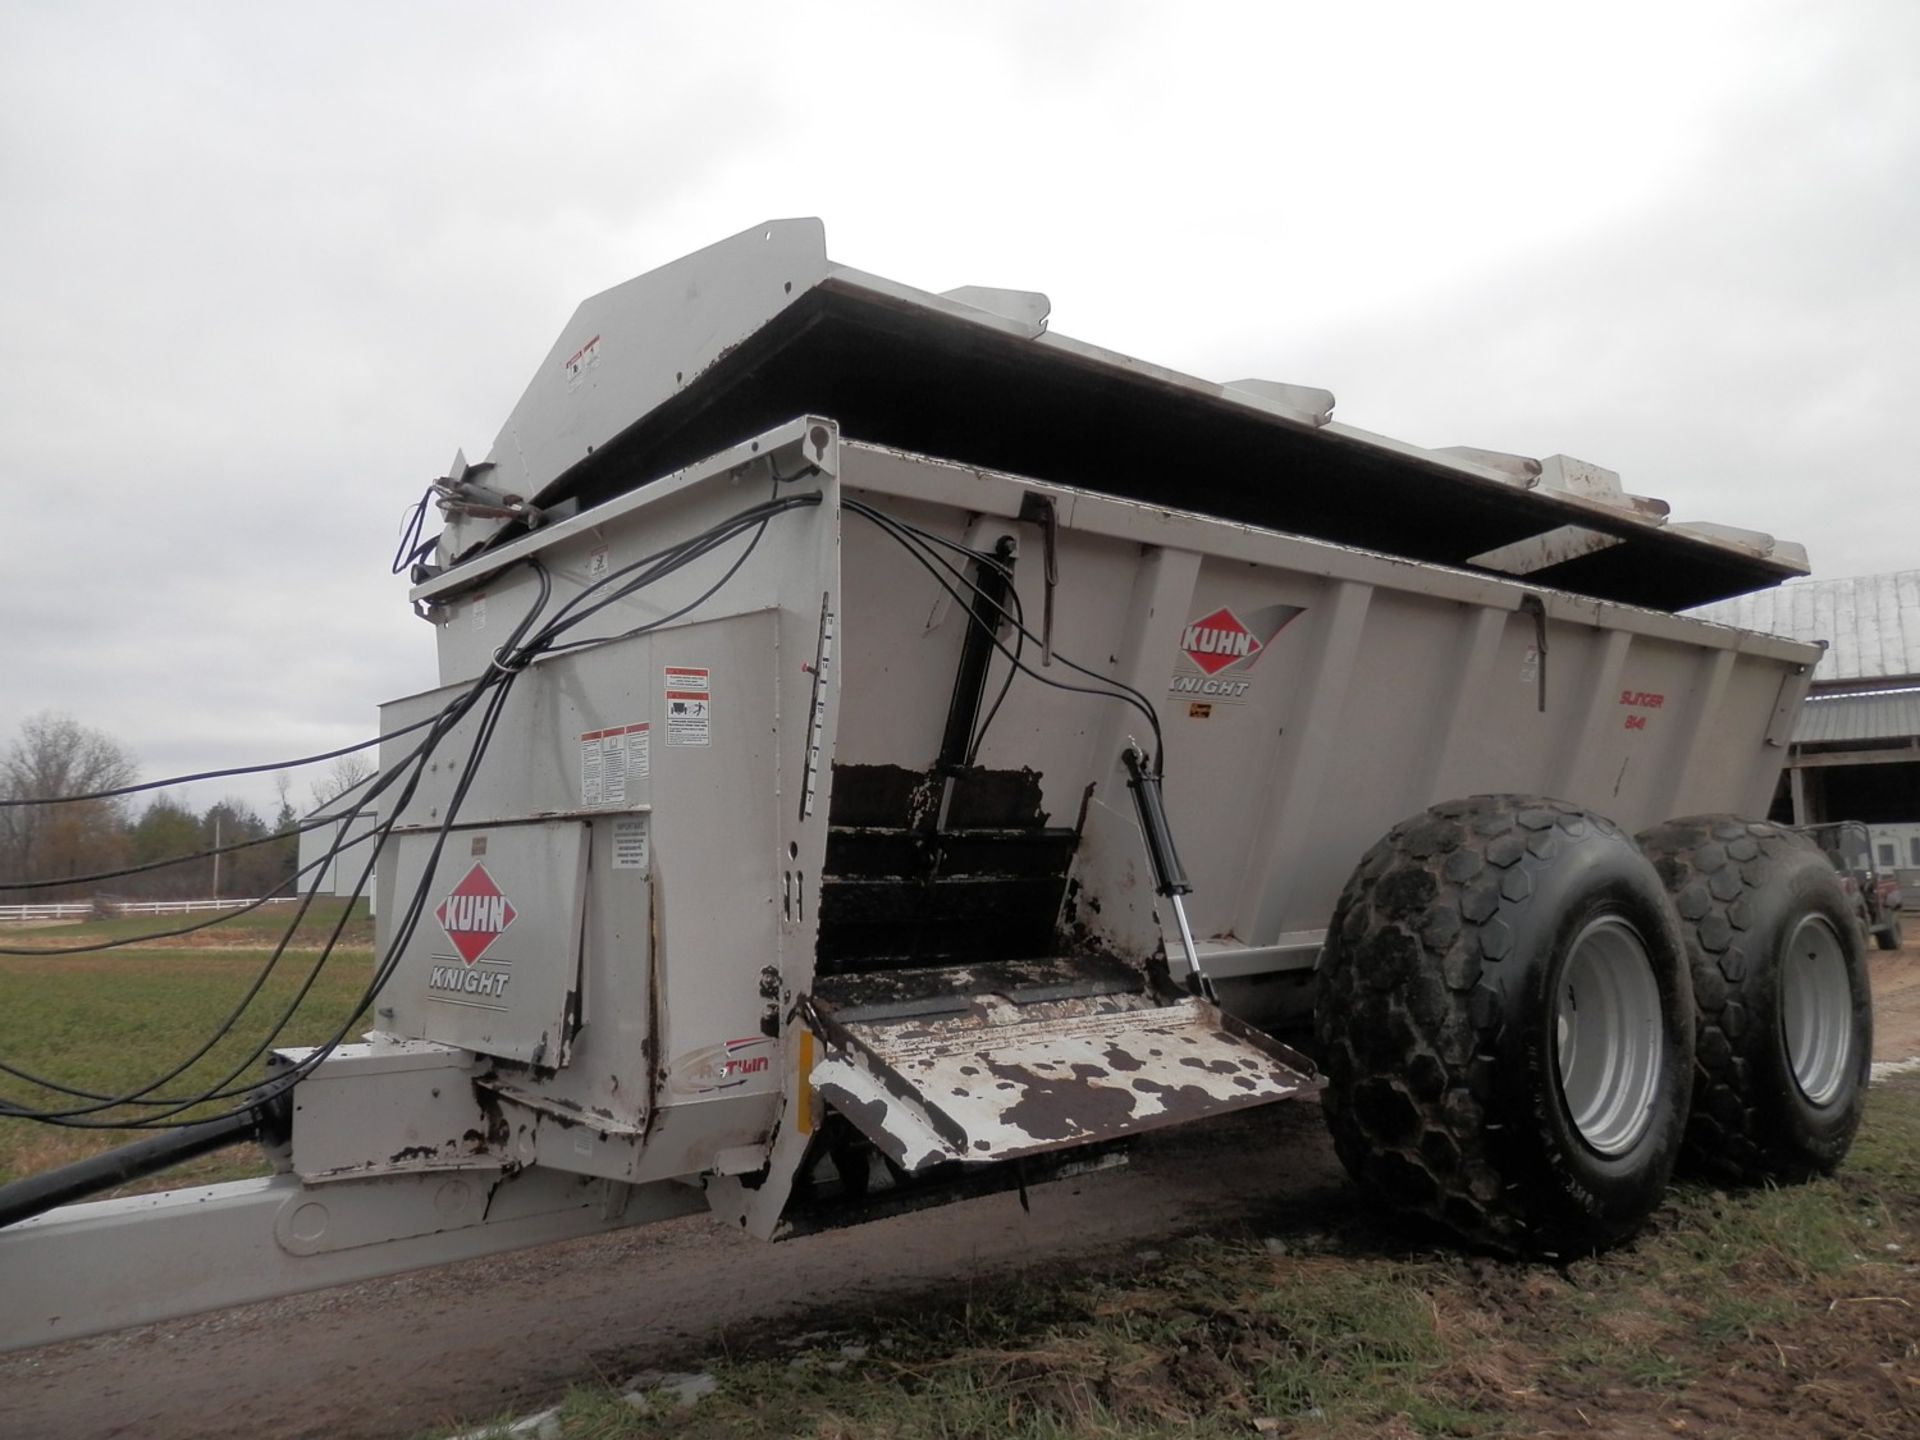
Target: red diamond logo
column 1218, row 640
column 474, row 914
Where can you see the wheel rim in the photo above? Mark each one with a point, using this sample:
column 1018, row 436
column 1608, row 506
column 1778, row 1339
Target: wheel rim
column 1816, row 1009
column 1608, row 1032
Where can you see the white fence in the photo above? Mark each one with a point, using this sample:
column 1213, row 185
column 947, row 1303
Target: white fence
column 183, row 907
column 75, row 910
column 87, row 909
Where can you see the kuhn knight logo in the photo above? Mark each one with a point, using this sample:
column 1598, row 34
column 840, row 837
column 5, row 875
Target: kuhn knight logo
column 1216, row 641
column 1223, row 641
column 474, row 914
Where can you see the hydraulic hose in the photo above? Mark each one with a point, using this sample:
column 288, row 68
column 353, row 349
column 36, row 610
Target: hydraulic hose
column 26, row 1198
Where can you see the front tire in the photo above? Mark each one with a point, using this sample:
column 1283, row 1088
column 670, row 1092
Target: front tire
column 1505, row 1017
column 1785, row 1015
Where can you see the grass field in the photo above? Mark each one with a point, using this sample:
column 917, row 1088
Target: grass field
column 1789, row 1312
column 116, row 1019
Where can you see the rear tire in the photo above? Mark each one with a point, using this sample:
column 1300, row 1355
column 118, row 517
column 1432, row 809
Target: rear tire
column 1505, row 1019
column 1784, row 1013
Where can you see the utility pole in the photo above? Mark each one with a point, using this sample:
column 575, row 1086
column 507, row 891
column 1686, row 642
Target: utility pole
column 216, row 854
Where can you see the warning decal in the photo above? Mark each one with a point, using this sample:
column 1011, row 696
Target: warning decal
column 581, row 362
column 609, row 759
column 630, row 843
column 689, row 705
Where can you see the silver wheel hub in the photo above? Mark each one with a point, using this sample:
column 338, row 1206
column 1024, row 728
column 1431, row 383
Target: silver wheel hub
column 1609, row 1040
column 1816, row 1009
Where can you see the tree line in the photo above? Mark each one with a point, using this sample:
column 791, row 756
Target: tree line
column 47, row 847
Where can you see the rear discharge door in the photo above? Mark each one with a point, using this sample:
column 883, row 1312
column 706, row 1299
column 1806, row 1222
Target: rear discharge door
column 1017, row 1059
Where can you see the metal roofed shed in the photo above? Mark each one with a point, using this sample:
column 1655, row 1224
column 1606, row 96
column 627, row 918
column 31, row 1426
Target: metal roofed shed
column 1856, row 742
column 1870, row 624
column 727, row 342
column 1848, row 719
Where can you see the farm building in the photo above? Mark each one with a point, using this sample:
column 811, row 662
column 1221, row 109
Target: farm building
column 341, row 870
column 1856, row 749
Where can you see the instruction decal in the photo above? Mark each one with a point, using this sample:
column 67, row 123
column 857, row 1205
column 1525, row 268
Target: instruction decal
column 1219, row 649
column 630, row 843
column 582, row 362
column 609, row 759
column 689, row 704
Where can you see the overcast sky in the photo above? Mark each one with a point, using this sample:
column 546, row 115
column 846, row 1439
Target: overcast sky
column 266, row 267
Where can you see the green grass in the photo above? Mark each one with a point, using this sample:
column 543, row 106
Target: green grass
column 1221, row 1336
column 116, row 1019
column 1761, row 1312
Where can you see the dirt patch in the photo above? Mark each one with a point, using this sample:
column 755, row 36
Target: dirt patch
column 1896, row 997
column 402, row 1355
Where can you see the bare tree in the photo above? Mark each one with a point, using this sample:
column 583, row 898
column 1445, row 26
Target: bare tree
column 349, row 772
column 56, row 756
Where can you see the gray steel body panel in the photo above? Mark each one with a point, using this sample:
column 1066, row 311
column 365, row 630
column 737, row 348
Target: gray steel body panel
column 1377, row 687
column 671, row 1068
column 518, row 997
column 1362, row 688
column 1388, row 687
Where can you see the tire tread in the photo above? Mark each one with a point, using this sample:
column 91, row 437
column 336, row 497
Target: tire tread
column 1411, row 1012
column 1713, row 867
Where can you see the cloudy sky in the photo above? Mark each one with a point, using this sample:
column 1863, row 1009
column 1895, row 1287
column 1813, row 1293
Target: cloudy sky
column 262, row 268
